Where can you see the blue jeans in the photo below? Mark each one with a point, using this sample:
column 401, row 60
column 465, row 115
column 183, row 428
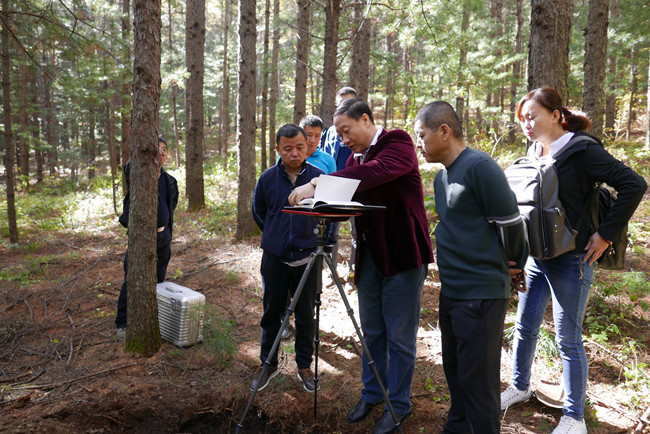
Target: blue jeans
column 389, row 308
column 566, row 281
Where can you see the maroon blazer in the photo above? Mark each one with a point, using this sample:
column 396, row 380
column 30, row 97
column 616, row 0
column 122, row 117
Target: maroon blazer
column 398, row 238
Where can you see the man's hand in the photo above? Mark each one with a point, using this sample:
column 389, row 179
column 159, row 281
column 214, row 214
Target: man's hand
column 300, row 193
column 518, row 278
column 595, row 248
column 513, row 271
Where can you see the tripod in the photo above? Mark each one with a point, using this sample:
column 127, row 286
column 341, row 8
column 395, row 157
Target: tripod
column 316, row 263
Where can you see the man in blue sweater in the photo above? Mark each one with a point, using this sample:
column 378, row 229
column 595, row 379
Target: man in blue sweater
column 287, row 242
column 479, row 233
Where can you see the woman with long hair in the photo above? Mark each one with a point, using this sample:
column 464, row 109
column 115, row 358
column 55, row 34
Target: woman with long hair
column 566, row 279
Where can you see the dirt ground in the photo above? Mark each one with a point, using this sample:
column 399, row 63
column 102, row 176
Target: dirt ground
column 62, row 370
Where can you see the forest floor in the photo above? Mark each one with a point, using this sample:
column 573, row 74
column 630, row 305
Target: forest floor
column 62, row 369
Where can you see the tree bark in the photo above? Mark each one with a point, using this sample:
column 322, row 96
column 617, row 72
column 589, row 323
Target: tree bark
column 633, row 88
column 328, row 100
column 548, row 46
column 176, row 142
column 8, row 139
column 125, row 95
column 246, row 117
column 265, row 83
column 593, row 92
column 224, row 116
column 23, row 144
column 143, row 332
column 516, row 72
column 194, row 54
column 273, row 91
column 49, row 122
column 302, row 58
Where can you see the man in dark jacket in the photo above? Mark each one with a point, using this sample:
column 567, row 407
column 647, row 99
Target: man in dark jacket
column 167, row 200
column 393, row 252
column 479, row 233
column 287, row 241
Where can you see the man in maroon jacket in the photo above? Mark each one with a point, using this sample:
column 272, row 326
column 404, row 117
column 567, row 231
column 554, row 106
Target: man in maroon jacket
column 393, row 251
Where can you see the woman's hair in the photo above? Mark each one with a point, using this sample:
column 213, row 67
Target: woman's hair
column 550, row 99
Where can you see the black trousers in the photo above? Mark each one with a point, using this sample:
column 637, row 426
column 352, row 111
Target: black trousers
column 472, row 334
column 279, row 280
column 164, row 251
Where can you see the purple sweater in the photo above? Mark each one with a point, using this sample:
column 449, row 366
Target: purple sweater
column 398, row 238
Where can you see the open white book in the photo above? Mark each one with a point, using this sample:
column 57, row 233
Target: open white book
column 332, row 190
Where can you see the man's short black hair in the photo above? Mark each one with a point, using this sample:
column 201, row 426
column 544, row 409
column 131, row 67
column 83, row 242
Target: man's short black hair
column 289, row 131
column 311, row 121
column 354, row 108
column 346, row 90
column 437, row 113
column 160, row 139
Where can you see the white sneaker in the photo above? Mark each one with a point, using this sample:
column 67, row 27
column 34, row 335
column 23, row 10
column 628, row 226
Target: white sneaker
column 512, row 396
column 569, row 425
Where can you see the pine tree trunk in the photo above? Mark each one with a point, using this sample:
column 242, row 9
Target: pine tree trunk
column 8, row 139
column 23, row 145
column 224, row 116
column 548, row 46
column 194, row 54
column 176, row 145
column 125, row 95
column 273, row 91
column 516, row 72
column 332, row 14
column 49, row 123
column 302, row 58
column 593, row 92
column 265, row 83
column 364, row 36
column 633, row 87
column 92, row 146
column 355, row 46
column 246, row 117
column 143, row 332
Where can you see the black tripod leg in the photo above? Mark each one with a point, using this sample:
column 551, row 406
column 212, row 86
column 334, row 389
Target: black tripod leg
column 285, row 324
column 371, row 362
column 319, row 284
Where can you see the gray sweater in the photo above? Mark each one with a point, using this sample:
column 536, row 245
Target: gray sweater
column 480, row 229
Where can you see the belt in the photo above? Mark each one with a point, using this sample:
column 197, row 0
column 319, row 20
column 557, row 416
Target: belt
column 162, row 228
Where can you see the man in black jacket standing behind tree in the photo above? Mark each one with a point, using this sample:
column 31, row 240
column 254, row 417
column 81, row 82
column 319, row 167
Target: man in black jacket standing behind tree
column 167, row 200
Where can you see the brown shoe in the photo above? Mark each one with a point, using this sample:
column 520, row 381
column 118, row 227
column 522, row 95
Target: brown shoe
column 307, row 378
column 263, row 378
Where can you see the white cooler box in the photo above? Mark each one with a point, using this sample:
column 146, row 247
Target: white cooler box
column 180, row 314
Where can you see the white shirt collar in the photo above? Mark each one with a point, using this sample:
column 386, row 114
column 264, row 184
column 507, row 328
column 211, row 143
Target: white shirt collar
column 556, row 146
column 374, row 141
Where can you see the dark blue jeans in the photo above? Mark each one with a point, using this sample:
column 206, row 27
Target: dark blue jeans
column 164, row 251
column 472, row 333
column 279, row 280
column 389, row 309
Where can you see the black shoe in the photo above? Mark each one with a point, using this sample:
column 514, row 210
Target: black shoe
column 360, row 411
column 263, row 378
column 307, row 378
column 386, row 424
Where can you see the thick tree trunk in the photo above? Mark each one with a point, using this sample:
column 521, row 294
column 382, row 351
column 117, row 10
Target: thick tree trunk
column 224, row 115
column 265, row 83
column 355, row 48
column 8, row 139
column 246, row 117
column 194, row 53
column 328, row 100
column 143, row 332
column 593, row 92
column 273, row 91
column 302, row 58
column 548, row 46
column 516, row 72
